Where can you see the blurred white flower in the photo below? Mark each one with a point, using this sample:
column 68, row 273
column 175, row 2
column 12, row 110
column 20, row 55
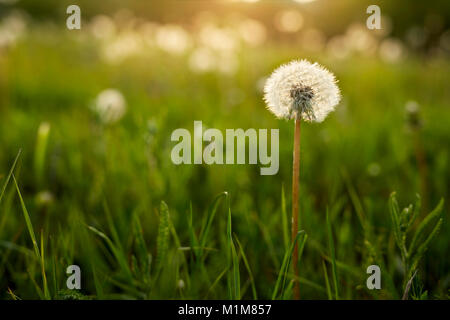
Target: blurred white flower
column 220, row 39
column 391, row 50
column 289, row 21
column 252, row 32
column 125, row 45
column 360, row 39
column 412, row 106
column 172, row 39
column 374, row 169
column 413, row 118
column 301, row 89
column 44, row 198
column 12, row 27
column 180, row 284
column 202, row 60
column 110, row 105
column 102, row 27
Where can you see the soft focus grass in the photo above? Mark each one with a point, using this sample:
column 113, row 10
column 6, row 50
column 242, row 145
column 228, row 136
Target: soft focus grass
column 107, row 181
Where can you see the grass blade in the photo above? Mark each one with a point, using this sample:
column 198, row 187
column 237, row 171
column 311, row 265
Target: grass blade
column 119, row 255
column 247, row 266
column 233, row 262
column 162, row 241
column 192, row 236
column 44, row 277
column 327, row 282
column 141, row 248
column 219, row 277
column 5, row 184
column 429, row 218
column 333, row 258
column 209, row 218
column 395, row 217
column 28, row 221
column 97, row 284
column 423, row 247
column 285, row 265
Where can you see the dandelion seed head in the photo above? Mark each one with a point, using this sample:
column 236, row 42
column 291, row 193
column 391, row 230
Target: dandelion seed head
column 110, row 105
column 44, row 198
column 180, row 284
column 374, row 169
column 413, row 118
column 173, row 39
column 303, row 90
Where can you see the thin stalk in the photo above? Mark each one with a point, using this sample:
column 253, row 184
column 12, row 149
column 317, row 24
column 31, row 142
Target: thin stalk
column 295, row 185
column 423, row 169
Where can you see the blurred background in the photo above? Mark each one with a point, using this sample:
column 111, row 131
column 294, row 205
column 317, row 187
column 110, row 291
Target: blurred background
column 93, row 109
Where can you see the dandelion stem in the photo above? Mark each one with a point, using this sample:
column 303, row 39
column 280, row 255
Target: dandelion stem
column 423, row 170
column 295, row 184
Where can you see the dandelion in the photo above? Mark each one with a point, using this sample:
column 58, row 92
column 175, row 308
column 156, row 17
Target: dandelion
column 102, row 27
column 289, row 21
column 374, row 169
column 180, row 284
column 300, row 90
column 218, row 39
column 122, row 47
column 44, row 198
column 414, row 126
column 110, row 105
column 202, row 60
column 412, row 113
column 12, row 27
column 391, row 50
column 173, row 39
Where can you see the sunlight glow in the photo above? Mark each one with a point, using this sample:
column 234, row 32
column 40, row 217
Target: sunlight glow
column 304, row 1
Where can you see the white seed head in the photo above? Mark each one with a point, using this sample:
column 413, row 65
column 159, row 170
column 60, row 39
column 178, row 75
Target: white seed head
column 110, row 105
column 180, row 284
column 300, row 89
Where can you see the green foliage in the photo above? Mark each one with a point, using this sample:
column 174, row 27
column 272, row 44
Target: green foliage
column 234, row 282
column 279, row 289
column 162, row 242
column 333, row 258
column 92, row 192
column 402, row 223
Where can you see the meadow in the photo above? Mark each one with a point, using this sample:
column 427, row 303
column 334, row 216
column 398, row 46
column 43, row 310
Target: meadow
column 107, row 197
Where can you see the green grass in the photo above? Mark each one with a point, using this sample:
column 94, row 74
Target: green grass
column 142, row 228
